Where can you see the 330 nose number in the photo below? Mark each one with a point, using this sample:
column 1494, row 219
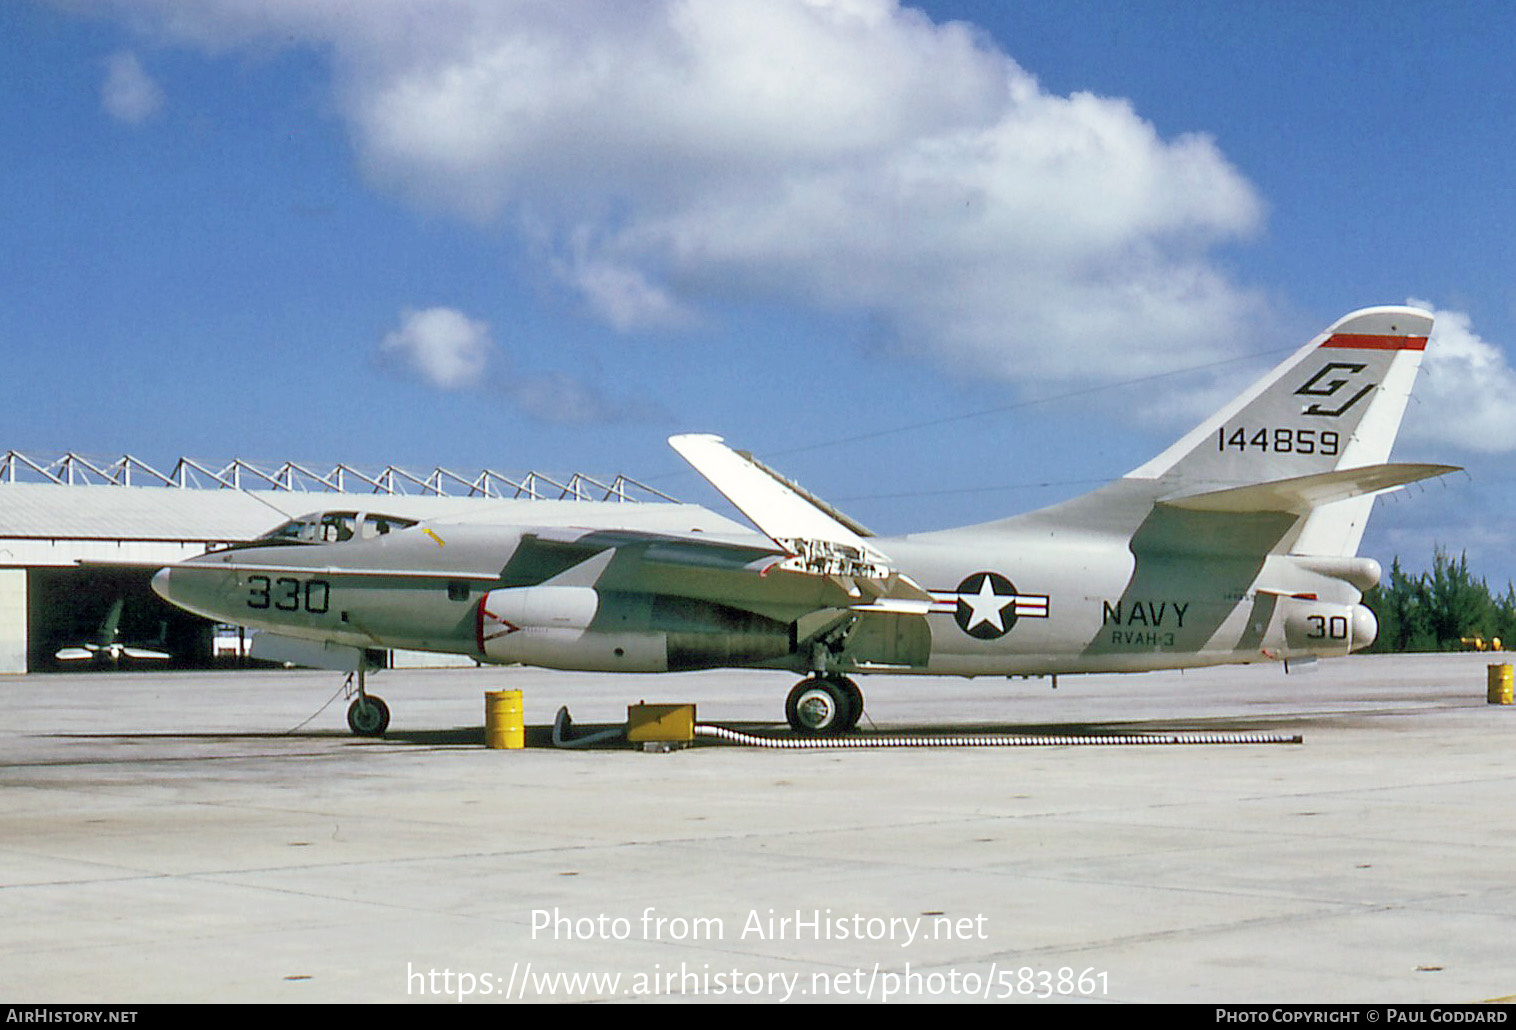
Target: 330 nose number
column 288, row 594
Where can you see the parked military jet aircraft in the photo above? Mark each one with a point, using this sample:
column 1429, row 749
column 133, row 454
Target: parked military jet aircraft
column 1236, row 544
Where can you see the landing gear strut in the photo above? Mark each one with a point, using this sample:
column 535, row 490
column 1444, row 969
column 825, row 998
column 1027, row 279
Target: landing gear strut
column 824, row 706
column 368, row 715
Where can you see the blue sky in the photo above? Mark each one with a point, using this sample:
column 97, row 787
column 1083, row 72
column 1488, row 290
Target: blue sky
column 940, row 263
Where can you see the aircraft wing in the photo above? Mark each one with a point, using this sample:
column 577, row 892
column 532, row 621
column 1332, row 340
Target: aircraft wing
column 745, row 573
column 739, row 582
column 545, row 553
column 775, row 505
column 817, row 539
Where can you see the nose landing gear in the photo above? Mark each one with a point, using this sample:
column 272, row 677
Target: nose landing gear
column 824, row 706
column 368, row 715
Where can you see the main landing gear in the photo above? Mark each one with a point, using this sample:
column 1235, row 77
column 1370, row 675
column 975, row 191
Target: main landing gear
column 368, row 715
column 824, row 706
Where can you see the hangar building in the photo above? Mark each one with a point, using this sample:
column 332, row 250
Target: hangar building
column 79, row 535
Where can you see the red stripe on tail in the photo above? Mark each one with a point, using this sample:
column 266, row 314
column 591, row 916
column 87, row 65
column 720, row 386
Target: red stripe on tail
column 1363, row 341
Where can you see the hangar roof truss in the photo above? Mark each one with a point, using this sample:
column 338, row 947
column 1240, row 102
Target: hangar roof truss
column 73, row 469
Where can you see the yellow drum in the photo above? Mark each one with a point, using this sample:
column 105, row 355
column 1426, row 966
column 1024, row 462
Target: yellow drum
column 1500, row 684
column 504, row 719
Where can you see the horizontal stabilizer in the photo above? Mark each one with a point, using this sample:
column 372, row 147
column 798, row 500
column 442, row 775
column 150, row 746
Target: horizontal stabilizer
column 145, row 652
column 1300, row 494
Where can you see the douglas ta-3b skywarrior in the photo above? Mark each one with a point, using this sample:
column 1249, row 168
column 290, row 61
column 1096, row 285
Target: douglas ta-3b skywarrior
column 1237, row 544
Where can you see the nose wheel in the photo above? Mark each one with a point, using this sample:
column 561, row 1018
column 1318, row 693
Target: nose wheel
column 368, row 715
column 824, row 706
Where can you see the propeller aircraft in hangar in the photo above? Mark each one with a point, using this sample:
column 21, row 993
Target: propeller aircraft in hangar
column 107, row 644
column 1236, row 544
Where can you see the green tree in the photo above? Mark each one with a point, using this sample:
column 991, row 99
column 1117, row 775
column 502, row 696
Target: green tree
column 1505, row 617
column 1459, row 606
column 1437, row 610
column 1402, row 608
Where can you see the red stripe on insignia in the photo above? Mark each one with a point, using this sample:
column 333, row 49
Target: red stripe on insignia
column 1365, row 341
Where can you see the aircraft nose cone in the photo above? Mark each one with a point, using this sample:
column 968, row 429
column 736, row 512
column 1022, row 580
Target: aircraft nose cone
column 161, row 584
column 194, row 588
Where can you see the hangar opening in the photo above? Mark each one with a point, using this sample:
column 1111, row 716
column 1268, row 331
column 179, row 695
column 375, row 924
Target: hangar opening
column 85, row 618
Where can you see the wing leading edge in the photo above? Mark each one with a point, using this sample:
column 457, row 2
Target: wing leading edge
column 1300, row 494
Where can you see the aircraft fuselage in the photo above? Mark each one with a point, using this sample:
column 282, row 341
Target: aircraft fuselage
column 1006, row 602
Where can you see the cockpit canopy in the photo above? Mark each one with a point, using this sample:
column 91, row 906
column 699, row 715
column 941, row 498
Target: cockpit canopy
column 326, row 527
column 331, row 527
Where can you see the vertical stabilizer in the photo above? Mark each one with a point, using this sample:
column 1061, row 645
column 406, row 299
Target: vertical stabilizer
column 110, row 629
column 1335, row 404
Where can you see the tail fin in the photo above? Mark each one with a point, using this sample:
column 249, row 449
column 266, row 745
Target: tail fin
column 1334, row 405
column 110, row 629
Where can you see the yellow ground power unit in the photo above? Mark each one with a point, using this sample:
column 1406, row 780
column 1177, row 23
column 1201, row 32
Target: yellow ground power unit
column 652, row 723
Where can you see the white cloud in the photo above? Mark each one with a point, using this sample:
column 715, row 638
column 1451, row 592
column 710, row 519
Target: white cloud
column 1466, row 396
column 448, row 350
column 445, row 347
column 848, row 155
column 622, row 293
column 128, row 93
column 557, row 398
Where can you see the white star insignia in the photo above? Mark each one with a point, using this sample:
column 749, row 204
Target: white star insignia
column 986, row 606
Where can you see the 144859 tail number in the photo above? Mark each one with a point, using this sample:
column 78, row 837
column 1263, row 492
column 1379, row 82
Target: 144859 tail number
column 1279, row 441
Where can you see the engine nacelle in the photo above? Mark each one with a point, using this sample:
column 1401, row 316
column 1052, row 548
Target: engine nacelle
column 523, row 608
column 564, row 627
column 550, row 626
column 1323, row 629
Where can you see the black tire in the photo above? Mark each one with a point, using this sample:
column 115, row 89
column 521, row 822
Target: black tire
column 368, row 716
column 819, row 707
column 855, row 701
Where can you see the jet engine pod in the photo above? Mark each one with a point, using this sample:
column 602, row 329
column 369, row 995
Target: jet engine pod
column 549, row 626
column 1324, row 629
column 523, row 608
column 706, row 635
column 570, row 627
